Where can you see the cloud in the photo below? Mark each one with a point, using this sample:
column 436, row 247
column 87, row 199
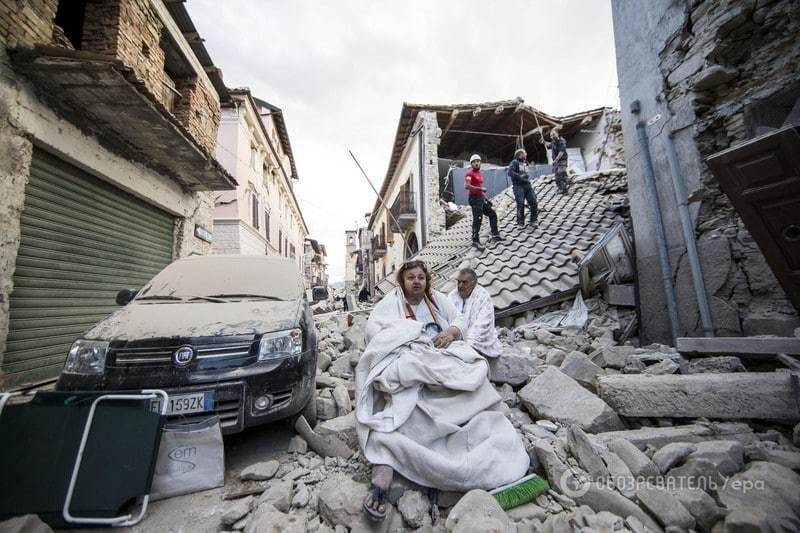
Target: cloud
column 342, row 70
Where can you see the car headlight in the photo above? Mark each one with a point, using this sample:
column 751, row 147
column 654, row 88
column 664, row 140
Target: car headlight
column 280, row 344
column 86, row 357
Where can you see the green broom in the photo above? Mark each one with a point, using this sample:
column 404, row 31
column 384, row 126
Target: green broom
column 521, row 491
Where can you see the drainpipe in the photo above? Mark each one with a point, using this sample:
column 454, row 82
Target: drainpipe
column 661, row 239
column 423, row 189
column 688, row 236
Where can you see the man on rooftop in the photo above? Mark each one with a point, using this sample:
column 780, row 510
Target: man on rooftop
column 558, row 150
column 523, row 192
column 479, row 203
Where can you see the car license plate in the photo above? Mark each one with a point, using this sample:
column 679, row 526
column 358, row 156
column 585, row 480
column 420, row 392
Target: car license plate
column 184, row 404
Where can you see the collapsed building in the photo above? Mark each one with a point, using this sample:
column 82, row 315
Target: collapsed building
column 709, row 102
column 431, row 148
column 109, row 120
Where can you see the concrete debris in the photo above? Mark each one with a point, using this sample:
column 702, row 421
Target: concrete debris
column 639, row 464
column 556, row 396
column 600, row 421
column 749, row 395
column 237, row 510
column 478, row 512
column 260, row 471
column 670, row 455
column 665, row 507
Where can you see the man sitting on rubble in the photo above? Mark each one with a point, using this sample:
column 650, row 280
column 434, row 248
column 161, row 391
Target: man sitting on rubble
column 474, row 302
column 424, row 404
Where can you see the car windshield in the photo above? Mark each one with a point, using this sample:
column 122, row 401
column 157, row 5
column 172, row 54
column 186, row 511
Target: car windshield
column 223, row 278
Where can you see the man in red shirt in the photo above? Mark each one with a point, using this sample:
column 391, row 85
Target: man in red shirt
column 479, row 203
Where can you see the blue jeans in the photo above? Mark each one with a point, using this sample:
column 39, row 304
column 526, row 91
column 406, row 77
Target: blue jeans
column 524, row 194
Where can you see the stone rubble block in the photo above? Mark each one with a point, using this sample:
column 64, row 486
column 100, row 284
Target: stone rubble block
column 556, row 396
column 477, row 511
column 578, row 366
column 672, row 454
column 639, row 464
column 268, row 519
column 279, row 495
column 297, row 445
column 762, row 451
column 260, row 471
column 343, row 427
column 415, row 509
column 700, row 505
column 661, row 436
column 725, row 364
column 342, row 398
column 665, row 507
column 326, row 408
column 727, row 456
column 773, row 494
column 514, row 370
column 748, row 395
column 236, row 511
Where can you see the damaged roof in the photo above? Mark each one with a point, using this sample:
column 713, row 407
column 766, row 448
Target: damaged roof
column 531, row 265
column 462, row 124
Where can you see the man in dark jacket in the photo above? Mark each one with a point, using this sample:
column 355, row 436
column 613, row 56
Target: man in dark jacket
column 558, row 150
column 523, row 192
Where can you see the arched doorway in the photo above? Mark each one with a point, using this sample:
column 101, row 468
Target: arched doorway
column 412, row 248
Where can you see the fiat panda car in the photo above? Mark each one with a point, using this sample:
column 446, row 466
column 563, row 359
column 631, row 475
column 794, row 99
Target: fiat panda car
column 229, row 335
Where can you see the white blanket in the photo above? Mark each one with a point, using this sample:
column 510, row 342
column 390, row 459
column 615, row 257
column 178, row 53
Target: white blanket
column 478, row 310
column 431, row 414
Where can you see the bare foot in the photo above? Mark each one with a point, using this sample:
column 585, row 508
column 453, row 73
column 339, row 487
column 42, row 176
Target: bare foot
column 381, row 480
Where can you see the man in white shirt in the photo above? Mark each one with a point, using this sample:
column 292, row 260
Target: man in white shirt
column 475, row 303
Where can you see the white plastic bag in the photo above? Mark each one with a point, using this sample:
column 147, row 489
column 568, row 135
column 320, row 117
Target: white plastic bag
column 191, row 458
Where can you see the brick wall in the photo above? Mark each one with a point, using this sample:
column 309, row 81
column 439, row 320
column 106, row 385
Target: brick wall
column 131, row 31
column 198, row 110
column 25, row 22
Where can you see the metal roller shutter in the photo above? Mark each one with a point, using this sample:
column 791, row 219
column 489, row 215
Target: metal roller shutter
column 82, row 241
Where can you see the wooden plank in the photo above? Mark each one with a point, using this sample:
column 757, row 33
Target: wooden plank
column 747, row 395
column 554, row 298
column 699, row 346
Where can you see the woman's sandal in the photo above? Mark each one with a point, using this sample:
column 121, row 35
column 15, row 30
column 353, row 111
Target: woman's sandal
column 378, row 496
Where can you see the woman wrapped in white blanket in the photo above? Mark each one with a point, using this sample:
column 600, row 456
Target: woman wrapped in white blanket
column 424, row 404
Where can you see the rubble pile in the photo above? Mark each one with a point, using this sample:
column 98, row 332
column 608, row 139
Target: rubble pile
column 608, row 470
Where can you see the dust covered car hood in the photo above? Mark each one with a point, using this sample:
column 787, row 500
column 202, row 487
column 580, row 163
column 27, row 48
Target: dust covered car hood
column 148, row 320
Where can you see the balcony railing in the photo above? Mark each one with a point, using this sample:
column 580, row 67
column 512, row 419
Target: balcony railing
column 378, row 247
column 404, row 210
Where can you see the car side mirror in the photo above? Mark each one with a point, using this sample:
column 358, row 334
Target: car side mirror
column 125, row 296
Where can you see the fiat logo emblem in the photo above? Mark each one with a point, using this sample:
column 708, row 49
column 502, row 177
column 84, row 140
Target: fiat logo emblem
column 183, row 356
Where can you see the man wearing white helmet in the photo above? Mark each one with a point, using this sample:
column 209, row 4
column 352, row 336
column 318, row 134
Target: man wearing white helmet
column 479, row 203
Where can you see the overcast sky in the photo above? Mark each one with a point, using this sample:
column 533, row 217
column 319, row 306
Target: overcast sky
column 341, row 70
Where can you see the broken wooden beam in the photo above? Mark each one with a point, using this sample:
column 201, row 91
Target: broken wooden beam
column 758, row 395
column 699, row 346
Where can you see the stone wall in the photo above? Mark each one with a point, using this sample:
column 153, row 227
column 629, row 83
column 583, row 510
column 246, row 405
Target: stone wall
column 435, row 215
column 25, row 22
column 697, row 67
